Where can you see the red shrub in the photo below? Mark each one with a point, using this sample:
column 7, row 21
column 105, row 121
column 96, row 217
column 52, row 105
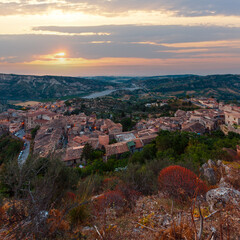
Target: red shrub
column 122, row 197
column 110, row 183
column 111, row 199
column 180, row 183
column 109, row 180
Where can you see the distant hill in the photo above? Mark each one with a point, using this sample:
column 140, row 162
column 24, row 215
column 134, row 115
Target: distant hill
column 28, row 87
column 225, row 87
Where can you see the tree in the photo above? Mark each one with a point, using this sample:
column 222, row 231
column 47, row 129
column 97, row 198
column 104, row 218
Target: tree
column 36, row 189
column 9, row 148
column 87, row 153
column 127, row 123
column 34, row 131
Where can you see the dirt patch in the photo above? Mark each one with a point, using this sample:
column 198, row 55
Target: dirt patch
column 26, row 104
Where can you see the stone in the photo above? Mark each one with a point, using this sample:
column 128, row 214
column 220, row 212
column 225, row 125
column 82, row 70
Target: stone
column 219, row 163
column 227, row 169
column 223, row 183
column 222, row 196
column 210, row 176
column 166, row 220
column 88, row 228
column 205, row 165
column 211, row 163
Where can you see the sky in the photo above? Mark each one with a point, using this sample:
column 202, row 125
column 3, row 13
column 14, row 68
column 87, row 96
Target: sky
column 119, row 37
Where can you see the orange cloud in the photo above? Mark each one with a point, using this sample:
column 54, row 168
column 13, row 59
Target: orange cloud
column 103, row 62
column 126, row 66
column 225, row 43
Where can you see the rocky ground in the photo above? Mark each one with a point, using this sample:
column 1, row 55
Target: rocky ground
column 157, row 217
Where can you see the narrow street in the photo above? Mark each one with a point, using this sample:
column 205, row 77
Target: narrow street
column 25, row 152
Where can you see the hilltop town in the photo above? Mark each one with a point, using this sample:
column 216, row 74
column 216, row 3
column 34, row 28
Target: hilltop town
column 119, row 120
column 76, row 165
column 66, row 135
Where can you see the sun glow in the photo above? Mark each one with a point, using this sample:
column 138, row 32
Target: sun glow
column 54, row 58
column 60, row 55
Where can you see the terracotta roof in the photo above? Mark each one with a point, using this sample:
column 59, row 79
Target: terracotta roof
column 41, row 121
column 94, row 142
column 73, row 153
column 148, row 139
column 138, row 143
column 103, row 139
column 116, row 148
column 81, row 140
column 145, row 132
column 34, row 114
column 194, row 127
column 50, row 114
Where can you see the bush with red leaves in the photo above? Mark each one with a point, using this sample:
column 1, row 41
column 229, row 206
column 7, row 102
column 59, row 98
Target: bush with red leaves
column 110, row 183
column 180, row 183
column 122, row 197
column 110, row 199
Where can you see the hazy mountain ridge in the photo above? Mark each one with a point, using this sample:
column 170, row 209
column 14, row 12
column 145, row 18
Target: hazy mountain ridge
column 29, row 87
column 220, row 86
column 26, row 87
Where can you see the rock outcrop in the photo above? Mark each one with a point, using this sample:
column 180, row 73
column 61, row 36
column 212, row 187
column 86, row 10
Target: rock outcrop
column 210, row 172
column 222, row 196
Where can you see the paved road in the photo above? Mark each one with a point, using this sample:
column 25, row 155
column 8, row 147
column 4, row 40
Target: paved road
column 24, row 153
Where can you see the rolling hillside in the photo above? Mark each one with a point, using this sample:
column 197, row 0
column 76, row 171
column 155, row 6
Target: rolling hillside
column 225, row 87
column 26, row 87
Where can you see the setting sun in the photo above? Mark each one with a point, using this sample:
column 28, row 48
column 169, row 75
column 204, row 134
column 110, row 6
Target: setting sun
column 60, row 55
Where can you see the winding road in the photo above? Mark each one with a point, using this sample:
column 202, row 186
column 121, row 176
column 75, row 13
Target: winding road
column 25, row 152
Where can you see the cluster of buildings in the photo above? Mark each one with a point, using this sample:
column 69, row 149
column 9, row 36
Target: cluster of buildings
column 66, row 136
column 163, row 102
column 205, row 102
column 232, row 114
column 232, row 118
column 211, row 116
column 198, row 121
column 12, row 120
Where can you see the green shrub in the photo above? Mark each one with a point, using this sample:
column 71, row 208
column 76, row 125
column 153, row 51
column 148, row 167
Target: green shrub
column 79, row 214
column 90, row 185
column 143, row 178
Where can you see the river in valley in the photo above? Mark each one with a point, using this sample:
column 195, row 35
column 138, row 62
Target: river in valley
column 107, row 92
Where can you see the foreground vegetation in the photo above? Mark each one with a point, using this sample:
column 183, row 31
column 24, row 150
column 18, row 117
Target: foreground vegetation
column 9, row 148
column 126, row 198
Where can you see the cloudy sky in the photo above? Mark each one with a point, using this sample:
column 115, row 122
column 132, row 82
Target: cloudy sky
column 119, row 37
